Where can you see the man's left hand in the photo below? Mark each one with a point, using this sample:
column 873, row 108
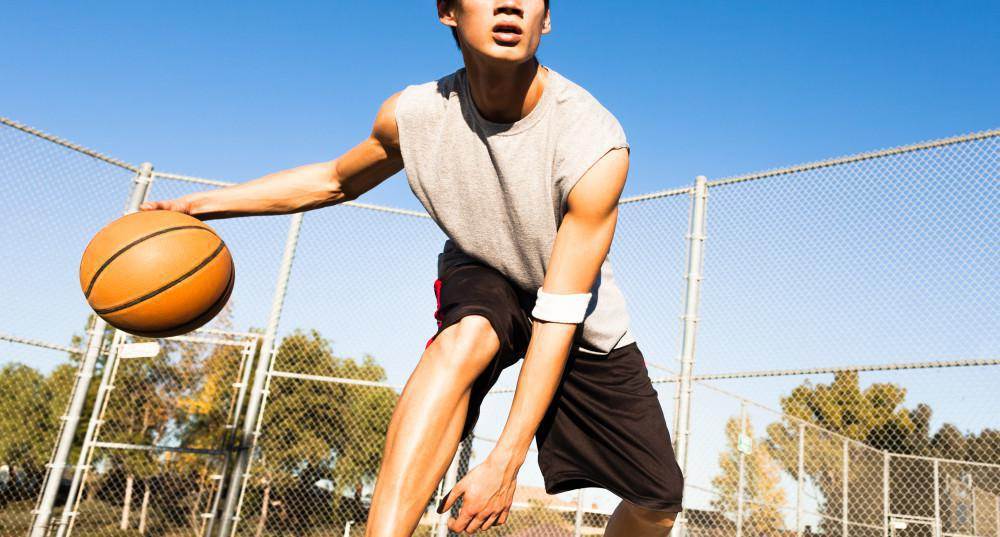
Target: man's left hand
column 488, row 490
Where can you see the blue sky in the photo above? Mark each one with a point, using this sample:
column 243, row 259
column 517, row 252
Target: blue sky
column 716, row 88
column 232, row 92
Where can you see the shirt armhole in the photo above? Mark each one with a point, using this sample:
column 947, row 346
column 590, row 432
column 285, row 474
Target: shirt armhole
column 588, row 161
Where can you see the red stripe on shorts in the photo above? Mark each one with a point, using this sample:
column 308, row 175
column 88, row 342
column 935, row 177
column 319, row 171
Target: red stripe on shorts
column 437, row 311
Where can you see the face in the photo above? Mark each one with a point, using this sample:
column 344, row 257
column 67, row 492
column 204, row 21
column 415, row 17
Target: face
column 504, row 30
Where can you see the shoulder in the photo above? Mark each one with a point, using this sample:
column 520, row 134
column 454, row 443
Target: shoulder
column 428, row 97
column 581, row 112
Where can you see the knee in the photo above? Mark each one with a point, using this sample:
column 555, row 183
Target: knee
column 472, row 338
column 650, row 517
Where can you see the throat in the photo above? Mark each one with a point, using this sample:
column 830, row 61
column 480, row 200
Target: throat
column 508, row 96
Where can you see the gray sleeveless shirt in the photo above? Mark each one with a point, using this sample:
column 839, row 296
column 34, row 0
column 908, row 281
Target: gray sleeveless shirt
column 498, row 190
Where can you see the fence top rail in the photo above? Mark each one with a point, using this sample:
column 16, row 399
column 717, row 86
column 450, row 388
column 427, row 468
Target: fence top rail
column 898, row 366
column 67, row 144
column 920, row 146
column 656, row 195
column 939, row 460
column 39, row 343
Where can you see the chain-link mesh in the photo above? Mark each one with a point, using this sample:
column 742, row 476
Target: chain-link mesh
column 881, row 263
column 55, row 198
column 884, row 260
column 846, row 362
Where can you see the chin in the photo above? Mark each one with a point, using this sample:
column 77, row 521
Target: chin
column 511, row 55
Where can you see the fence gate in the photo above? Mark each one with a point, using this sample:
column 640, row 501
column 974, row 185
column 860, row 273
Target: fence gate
column 156, row 450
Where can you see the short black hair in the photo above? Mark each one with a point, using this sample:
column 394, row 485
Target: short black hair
column 454, row 33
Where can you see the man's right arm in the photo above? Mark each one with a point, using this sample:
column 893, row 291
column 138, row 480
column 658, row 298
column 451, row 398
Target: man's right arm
column 306, row 187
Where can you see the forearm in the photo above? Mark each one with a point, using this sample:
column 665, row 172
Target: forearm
column 537, row 382
column 294, row 190
column 581, row 246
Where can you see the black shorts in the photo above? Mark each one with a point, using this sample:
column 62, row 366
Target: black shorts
column 604, row 427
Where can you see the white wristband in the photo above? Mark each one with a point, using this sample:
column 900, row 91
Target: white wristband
column 570, row 309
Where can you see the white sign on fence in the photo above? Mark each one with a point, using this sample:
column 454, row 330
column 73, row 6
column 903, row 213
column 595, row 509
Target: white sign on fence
column 139, row 350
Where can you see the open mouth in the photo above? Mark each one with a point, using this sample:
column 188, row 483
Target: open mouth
column 507, row 34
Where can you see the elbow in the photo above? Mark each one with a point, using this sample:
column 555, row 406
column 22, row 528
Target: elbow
column 342, row 193
column 335, row 190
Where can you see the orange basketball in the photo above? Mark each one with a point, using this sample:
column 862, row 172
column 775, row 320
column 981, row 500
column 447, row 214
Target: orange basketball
column 157, row 273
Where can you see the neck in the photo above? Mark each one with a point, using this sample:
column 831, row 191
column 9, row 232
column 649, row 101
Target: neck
column 505, row 93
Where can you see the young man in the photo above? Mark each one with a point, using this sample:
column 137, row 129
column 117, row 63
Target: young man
column 522, row 169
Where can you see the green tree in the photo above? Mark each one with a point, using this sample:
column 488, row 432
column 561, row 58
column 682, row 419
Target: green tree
column 26, row 425
column 317, row 432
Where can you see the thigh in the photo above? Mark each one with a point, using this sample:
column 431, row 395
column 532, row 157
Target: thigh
column 605, row 428
column 476, row 289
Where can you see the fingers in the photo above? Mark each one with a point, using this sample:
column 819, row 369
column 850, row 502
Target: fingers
column 472, row 519
column 165, row 205
column 477, row 522
column 489, row 521
column 460, row 524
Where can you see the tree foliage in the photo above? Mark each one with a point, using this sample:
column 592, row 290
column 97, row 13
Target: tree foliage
column 322, row 439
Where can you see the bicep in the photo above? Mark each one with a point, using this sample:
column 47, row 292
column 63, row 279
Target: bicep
column 373, row 160
column 587, row 229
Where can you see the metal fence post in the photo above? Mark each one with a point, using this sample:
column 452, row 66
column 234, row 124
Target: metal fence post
column 845, row 506
column 937, row 498
column 885, row 493
column 103, row 388
column 696, row 241
column 801, row 477
column 78, row 397
column 450, row 478
column 248, row 439
column 578, row 521
column 464, row 459
column 741, row 483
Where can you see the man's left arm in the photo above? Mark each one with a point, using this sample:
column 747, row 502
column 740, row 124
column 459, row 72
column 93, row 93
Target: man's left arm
column 581, row 245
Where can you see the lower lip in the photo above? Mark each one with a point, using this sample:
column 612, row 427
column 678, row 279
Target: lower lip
column 506, row 38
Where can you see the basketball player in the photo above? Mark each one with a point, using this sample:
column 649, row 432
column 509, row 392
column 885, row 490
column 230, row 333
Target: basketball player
column 522, row 169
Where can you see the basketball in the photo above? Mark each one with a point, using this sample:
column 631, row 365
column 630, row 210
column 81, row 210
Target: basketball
column 157, row 273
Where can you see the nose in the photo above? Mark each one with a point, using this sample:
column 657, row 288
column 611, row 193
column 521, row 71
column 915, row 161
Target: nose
column 509, row 7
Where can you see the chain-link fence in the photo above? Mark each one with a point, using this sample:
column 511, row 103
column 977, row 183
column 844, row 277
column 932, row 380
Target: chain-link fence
column 845, row 314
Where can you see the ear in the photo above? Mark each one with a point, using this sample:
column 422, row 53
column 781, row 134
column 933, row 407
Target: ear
column 445, row 14
column 547, row 22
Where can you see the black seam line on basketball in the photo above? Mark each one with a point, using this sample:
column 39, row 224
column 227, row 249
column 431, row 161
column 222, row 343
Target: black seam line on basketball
column 176, row 281
column 232, row 276
column 93, row 279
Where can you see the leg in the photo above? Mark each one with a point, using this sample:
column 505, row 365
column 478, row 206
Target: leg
column 424, row 430
column 634, row 521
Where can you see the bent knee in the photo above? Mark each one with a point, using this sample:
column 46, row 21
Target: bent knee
column 471, row 338
column 652, row 517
